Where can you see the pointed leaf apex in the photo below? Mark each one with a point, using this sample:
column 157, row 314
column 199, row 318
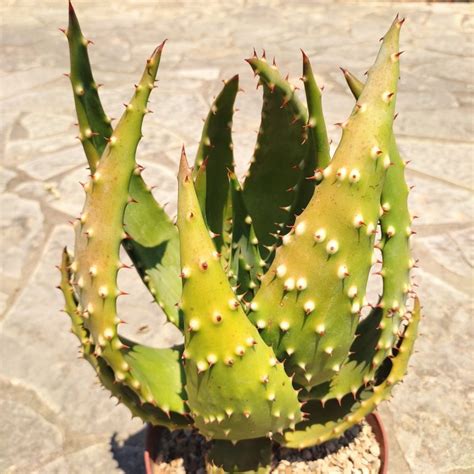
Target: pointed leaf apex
column 73, row 21
column 231, row 174
column 203, row 164
column 253, row 62
column 305, row 56
column 162, row 45
column 184, row 170
column 157, row 51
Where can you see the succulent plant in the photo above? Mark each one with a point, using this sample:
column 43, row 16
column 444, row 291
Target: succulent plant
column 266, row 279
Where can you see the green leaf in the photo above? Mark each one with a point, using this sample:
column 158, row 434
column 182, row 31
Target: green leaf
column 164, row 377
column 215, row 153
column 154, row 249
column 276, row 178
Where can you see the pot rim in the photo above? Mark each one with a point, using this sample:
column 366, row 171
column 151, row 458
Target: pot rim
column 375, row 422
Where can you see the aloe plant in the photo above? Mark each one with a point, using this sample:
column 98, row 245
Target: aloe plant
column 266, row 279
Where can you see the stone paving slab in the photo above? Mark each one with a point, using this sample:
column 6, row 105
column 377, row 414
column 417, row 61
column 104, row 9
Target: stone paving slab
column 55, row 418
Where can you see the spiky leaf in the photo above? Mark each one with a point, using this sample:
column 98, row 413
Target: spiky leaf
column 311, row 311
column 332, row 420
column 236, row 389
column 275, row 179
column 154, row 249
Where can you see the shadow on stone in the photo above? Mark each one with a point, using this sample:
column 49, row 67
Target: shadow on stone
column 129, row 454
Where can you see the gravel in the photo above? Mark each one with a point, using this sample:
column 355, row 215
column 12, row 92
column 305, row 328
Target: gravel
column 356, row 452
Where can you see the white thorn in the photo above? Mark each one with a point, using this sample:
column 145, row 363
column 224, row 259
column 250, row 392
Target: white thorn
column 286, row 239
column 194, row 324
column 327, row 171
column 332, row 247
column 370, row 228
column 289, row 284
column 240, row 350
column 352, row 292
column 341, row 174
column 375, row 152
column 185, row 272
column 320, row 235
column 354, row 175
column 301, row 284
column 355, row 308
column 281, row 271
column 300, row 228
column 358, row 221
column 284, row 326
column 342, row 272
column 320, row 329
column 233, row 304
column 309, row 306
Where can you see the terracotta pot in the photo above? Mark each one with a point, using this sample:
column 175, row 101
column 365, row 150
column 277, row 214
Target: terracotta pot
column 153, row 435
column 378, row 429
column 152, row 445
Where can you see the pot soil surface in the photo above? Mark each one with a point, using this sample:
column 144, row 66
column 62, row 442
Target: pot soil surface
column 356, row 452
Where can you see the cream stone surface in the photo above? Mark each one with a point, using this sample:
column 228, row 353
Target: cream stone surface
column 55, row 417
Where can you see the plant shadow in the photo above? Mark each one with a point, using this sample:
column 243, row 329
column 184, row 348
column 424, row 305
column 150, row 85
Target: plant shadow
column 129, row 453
